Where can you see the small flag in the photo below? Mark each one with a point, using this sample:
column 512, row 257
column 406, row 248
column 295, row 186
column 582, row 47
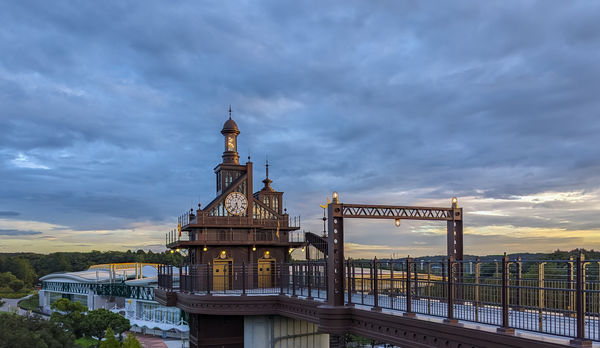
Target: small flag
column 277, row 233
column 179, row 227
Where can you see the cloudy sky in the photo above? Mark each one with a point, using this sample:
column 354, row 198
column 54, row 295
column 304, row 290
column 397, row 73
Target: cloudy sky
column 110, row 117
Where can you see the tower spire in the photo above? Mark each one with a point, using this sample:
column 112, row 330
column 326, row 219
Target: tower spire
column 267, row 166
column 267, row 181
column 230, row 111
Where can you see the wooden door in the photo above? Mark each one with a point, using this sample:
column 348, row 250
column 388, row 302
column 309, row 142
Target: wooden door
column 221, row 275
column 266, row 271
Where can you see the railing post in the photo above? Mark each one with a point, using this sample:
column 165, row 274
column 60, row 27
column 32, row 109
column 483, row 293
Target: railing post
column 541, row 294
column 309, row 279
column 429, row 285
column 208, row 276
column 391, row 290
column 450, row 292
column 349, row 275
column 243, row 278
column 505, row 319
column 375, row 289
column 571, row 288
column 518, row 292
column 281, row 278
column 353, row 277
column 409, row 312
column 579, row 303
column 477, row 274
column 180, row 279
column 294, row 268
column 362, row 283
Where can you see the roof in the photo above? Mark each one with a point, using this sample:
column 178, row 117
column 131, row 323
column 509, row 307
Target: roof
column 99, row 274
column 230, row 127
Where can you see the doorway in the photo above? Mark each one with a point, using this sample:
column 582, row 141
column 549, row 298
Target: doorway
column 222, row 274
column 266, row 273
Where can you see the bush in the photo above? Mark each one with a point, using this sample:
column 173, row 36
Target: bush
column 16, row 285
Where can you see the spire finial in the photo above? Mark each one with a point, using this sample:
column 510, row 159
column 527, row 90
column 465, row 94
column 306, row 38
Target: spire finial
column 267, row 181
column 267, row 166
column 230, row 111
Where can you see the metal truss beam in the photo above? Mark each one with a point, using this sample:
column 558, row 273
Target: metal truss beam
column 399, row 212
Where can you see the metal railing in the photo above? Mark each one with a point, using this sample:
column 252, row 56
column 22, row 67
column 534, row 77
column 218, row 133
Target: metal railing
column 231, row 235
column 551, row 297
column 306, row 279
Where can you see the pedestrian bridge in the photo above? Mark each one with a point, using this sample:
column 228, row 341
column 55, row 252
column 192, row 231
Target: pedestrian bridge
column 409, row 303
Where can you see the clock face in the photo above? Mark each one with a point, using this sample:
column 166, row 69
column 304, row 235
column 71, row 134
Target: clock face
column 236, row 203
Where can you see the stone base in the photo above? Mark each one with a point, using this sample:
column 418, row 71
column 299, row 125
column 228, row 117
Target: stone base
column 451, row 321
column 409, row 315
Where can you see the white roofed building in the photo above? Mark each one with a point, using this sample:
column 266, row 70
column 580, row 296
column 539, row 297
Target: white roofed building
column 126, row 288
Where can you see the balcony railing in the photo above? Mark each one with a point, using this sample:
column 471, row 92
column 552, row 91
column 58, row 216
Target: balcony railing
column 230, row 235
column 306, row 279
column 551, row 297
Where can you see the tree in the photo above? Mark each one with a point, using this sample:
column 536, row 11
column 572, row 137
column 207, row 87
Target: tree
column 16, row 285
column 110, row 341
column 65, row 305
column 6, row 278
column 131, row 342
column 71, row 322
column 17, row 331
column 96, row 321
column 119, row 324
column 22, row 269
column 71, row 318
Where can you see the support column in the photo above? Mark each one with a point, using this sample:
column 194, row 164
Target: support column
column 335, row 260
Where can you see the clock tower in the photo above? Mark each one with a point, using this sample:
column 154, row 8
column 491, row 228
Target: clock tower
column 237, row 227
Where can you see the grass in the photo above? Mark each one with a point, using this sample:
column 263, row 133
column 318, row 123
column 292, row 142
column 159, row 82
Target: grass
column 86, row 342
column 31, row 304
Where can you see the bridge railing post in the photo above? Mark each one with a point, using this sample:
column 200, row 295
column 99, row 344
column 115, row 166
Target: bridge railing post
column 518, row 283
column 309, row 279
column 349, row 280
column 541, row 296
column 294, row 267
column 362, row 283
column 353, row 277
column 408, row 291
column 392, row 289
column 504, row 296
column 375, row 286
column 450, row 291
column 208, row 276
column 429, row 286
column 476, row 302
column 281, row 276
column 243, row 278
column 580, row 340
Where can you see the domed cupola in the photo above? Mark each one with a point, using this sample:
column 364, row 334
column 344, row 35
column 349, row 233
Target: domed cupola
column 230, row 131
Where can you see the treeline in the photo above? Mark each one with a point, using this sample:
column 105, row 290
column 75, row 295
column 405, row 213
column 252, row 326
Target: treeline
column 29, row 267
column 556, row 255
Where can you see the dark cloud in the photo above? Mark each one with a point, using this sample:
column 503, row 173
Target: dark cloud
column 9, row 213
column 111, row 113
column 18, row 233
